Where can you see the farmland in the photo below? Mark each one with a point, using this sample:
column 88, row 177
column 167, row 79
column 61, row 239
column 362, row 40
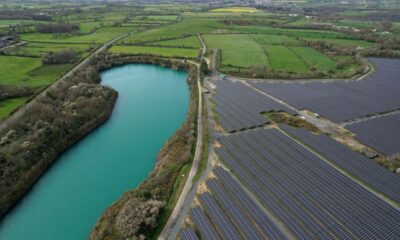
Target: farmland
column 293, row 123
column 158, row 51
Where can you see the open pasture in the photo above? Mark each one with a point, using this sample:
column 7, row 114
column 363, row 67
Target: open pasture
column 37, row 49
column 236, row 9
column 237, row 50
column 27, row 71
column 14, row 70
column 288, row 32
column 185, row 28
column 282, row 58
column 344, row 42
column 186, row 42
column 275, row 39
column 158, row 51
column 314, row 59
column 101, row 35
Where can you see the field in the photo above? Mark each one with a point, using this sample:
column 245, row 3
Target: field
column 263, row 168
column 158, row 51
column 283, row 59
column 186, row 42
column 37, row 49
column 185, row 28
column 314, row 59
column 101, row 35
column 7, row 106
column 237, row 50
column 236, row 10
column 276, row 52
column 15, row 70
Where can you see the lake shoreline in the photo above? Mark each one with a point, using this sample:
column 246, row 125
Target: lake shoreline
column 86, row 129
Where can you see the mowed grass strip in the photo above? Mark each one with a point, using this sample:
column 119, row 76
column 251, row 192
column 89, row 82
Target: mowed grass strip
column 187, row 42
column 8, row 105
column 158, row 51
column 315, row 59
column 238, row 50
column 283, row 59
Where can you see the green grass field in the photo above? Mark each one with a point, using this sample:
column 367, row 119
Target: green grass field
column 187, row 42
column 25, row 71
column 237, row 50
column 274, row 39
column 282, row 58
column 352, row 42
column 7, row 106
column 236, row 9
column 37, row 49
column 159, row 51
column 101, row 35
column 314, row 59
column 14, row 70
column 182, row 29
column 288, row 32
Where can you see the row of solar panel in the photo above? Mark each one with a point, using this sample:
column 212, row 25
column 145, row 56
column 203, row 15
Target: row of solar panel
column 344, row 100
column 382, row 133
column 240, row 107
column 230, row 213
column 363, row 168
column 311, row 198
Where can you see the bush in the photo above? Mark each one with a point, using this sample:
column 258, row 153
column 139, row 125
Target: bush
column 62, row 57
column 57, row 28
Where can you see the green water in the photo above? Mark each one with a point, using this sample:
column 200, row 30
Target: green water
column 66, row 202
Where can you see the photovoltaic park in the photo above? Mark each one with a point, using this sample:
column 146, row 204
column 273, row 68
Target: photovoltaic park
column 286, row 178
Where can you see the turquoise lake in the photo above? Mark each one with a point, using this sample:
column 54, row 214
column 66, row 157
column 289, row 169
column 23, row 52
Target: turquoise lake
column 69, row 198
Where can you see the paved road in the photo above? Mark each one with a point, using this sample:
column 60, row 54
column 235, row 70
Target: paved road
column 195, row 165
column 171, row 228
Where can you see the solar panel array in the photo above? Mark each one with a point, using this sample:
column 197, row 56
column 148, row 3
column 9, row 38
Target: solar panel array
column 382, row 134
column 312, row 199
column 248, row 206
column 232, row 214
column 203, row 224
column 344, row 100
column 239, row 106
column 218, row 217
column 188, row 233
column 358, row 165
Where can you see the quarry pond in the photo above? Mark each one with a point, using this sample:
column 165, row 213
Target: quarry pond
column 68, row 199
